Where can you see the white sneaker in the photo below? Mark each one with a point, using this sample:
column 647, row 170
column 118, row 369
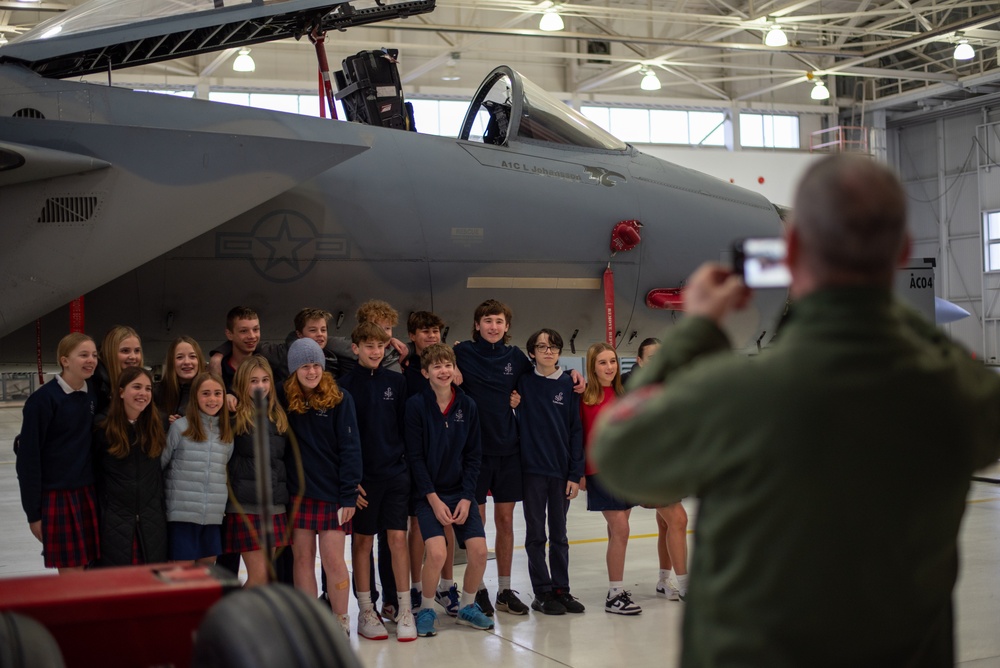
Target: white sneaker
column 622, row 604
column 370, row 625
column 345, row 623
column 667, row 590
column 406, row 626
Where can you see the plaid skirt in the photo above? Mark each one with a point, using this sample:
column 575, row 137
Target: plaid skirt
column 70, row 536
column 317, row 515
column 237, row 537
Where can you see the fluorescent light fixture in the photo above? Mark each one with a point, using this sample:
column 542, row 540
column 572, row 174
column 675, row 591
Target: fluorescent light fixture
column 820, row 91
column 244, row 62
column 775, row 36
column 451, row 71
column 551, row 21
column 964, row 50
column 649, row 80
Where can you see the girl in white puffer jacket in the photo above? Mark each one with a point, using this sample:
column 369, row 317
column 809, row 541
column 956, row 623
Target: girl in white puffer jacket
column 194, row 470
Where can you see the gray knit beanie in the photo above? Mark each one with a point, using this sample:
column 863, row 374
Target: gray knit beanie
column 304, row 351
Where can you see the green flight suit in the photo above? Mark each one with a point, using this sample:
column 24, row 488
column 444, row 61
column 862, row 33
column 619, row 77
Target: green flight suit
column 832, row 472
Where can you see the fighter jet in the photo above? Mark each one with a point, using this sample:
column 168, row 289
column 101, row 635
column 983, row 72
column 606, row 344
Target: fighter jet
column 165, row 212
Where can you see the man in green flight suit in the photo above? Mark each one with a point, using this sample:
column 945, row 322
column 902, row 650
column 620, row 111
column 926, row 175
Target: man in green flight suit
column 832, row 469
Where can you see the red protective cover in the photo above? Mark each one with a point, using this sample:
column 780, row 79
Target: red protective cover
column 129, row 616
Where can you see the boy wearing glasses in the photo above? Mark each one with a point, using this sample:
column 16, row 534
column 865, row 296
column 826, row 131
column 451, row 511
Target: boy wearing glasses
column 552, row 464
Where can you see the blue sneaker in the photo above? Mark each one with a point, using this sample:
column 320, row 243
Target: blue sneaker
column 472, row 615
column 425, row 622
column 415, row 598
column 448, row 600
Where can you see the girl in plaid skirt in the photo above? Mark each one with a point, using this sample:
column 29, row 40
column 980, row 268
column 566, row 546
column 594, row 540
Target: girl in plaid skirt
column 241, row 528
column 54, row 466
column 325, row 427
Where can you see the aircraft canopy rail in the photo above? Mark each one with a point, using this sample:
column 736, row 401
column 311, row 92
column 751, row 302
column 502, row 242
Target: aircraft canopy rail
column 114, row 34
column 509, row 107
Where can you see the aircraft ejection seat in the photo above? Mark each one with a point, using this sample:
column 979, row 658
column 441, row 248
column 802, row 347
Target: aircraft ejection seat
column 371, row 92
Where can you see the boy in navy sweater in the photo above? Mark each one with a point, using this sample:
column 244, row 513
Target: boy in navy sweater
column 490, row 370
column 379, row 400
column 444, row 448
column 552, row 461
column 425, row 330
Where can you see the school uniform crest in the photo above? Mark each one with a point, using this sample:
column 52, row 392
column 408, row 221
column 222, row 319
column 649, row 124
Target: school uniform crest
column 459, row 416
column 388, row 395
column 508, row 370
column 558, row 399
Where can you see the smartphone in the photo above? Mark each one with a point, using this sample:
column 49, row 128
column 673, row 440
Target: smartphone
column 761, row 261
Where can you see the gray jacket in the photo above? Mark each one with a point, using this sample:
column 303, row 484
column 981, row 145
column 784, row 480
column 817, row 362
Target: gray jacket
column 194, row 474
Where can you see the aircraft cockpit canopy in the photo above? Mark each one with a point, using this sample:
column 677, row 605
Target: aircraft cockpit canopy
column 102, row 35
column 508, row 107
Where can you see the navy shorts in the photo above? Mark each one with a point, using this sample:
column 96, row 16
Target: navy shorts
column 599, row 498
column 501, row 476
column 388, row 505
column 430, row 527
column 190, row 541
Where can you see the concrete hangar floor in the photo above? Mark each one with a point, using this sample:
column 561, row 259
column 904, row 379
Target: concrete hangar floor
column 593, row 639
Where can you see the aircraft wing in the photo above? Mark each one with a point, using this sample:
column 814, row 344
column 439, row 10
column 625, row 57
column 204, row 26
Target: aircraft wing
column 20, row 163
column 111, row 34
column 158, row 188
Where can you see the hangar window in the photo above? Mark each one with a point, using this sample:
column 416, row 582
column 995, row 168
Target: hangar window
column 660, row 126
column 769, row 131
column 991, row 238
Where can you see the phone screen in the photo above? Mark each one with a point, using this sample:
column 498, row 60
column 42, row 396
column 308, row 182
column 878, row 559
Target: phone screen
column 762, row 261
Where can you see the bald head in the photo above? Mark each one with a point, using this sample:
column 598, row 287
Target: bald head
column 850, row 219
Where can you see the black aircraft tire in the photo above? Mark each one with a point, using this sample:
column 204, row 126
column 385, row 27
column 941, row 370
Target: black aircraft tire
column 24, row 643
column 274, row 625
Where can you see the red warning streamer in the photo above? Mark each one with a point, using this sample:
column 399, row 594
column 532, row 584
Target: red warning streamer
column 609, row 305
column 76, row 315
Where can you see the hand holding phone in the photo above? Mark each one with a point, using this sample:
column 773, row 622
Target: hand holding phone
column 761, row 262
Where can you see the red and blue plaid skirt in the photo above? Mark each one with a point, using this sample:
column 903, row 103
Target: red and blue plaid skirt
column 317, row 515
column 70, row 536
column 237, row 537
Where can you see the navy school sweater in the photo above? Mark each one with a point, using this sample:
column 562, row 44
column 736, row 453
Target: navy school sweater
column 55, row 444
column 489, row 374
column 550, row 427
column 379, row 400
column 444, row 450
column 415, row 381
column 331, row 452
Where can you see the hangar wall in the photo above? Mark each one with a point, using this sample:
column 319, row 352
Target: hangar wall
column 947, row 161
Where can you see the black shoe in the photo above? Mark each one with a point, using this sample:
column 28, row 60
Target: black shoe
column 508, row 601
column 547, row 604
column 483, row 599
column 569, row 602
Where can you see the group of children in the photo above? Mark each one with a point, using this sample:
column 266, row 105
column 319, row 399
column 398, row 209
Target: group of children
column 402, row 442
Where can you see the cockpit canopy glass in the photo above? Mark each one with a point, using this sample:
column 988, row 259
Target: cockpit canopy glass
column 508, row 107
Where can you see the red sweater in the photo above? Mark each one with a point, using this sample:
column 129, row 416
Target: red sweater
column 589, row 415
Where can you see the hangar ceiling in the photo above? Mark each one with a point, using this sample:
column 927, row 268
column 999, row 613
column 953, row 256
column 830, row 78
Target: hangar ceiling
column 895, row 55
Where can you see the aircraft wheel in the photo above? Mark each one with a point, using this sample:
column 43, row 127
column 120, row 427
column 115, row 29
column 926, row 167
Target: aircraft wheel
column 24, row 643
column 273, row 625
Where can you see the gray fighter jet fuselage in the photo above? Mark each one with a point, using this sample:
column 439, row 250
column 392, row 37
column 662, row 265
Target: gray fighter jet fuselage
column 165, row 212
